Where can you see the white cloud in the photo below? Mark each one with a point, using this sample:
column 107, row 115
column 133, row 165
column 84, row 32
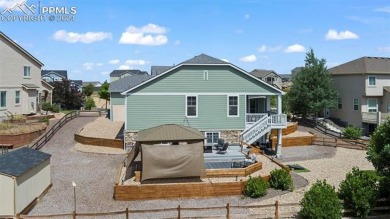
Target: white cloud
column 247, row 16
column 249, row 58
column 295, row 48
column 177, row 42
column 148, row 35
column 99, row 64
column 88, row 65
column 384, row 49
column 136, row 62
column 88, row 37
column 4, row 4
column 342, row 35
column 264, row 48
column 114, row 61
column 124, row 67
column 384, row 9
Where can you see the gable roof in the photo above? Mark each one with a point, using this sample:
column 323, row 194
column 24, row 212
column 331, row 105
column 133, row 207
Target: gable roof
column 118, row 73
column 208, row 61
column 204, row 59
column 128, row 82
column 19, row 161
column 157, row 69
column 61, row 73
column 2, row 35
column 77, row 82
column 94, row 83
column 169, row 132
column 261, row 73
column 363, row 65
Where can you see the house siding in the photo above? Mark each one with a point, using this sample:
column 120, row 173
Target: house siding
column 221, row 79
column 117, row 99
column 152, row 110
column 349, row 87
column 381, row 81
column 12, row 62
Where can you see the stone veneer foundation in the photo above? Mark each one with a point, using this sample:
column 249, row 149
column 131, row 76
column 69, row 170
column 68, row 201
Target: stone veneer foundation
column 130, row 138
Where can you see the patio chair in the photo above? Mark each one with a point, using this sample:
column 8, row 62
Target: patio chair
column 219, row 144
column 224, row 149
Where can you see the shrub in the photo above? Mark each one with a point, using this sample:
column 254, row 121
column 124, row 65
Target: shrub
column 321, row 201
column 256, row 187
column 89, row 103
column 46, row 106
column 384, row 187
column 352, row 132
column 281, row 179
column 359, row 191
column 55, row 108
column 44, row 119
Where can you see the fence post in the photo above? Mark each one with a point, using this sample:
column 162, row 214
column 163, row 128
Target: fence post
column 74, row 214
column 227, row 210
column 178, row 212
column 276, row 210
column 127, row 213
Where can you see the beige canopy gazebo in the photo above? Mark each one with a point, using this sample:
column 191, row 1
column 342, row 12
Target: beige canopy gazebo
column 170, row 151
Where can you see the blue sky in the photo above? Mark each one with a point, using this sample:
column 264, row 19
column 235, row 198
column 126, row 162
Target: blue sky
column 263, row 34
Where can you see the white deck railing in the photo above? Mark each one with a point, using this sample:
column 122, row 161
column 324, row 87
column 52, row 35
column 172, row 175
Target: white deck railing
column 262, row 126
column 254, row 117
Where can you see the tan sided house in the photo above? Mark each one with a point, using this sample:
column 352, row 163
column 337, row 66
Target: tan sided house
column 364, row 92
column 21, row 87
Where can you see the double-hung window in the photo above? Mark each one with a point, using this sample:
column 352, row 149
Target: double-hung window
column 371, row 80
column 232, row 106
column 191, row 106
column 339, row 103
column 212, row 137
column 17, row 97
column 27, row 72
column 355, row 104
column 372, row 105
column 3, row 99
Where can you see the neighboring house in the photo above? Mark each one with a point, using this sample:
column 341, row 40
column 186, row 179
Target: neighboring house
column 117, row 101
column 156, row 70
column 118, row 74
column 269, row 76
column 286, row 81
column 21, row 87
column 96, row 84
column 76, row 84
column 51, row 76
column 364, row 92
column 218, row 98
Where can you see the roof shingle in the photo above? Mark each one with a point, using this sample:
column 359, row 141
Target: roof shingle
column 363, row 65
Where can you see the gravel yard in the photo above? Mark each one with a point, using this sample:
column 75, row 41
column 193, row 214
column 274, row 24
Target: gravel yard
column 94, row 175
column 102, row 128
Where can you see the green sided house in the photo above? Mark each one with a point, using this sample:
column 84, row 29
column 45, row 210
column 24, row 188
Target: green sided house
column 216, row 97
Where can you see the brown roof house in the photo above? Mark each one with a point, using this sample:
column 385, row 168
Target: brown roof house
column 364, row 92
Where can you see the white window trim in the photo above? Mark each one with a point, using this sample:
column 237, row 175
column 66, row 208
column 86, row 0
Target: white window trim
column 3, row 107
column 368, row 105
column 368, row 84
column 197, row 106
column 20, row 98
column 205, row 136
column 29, row 76
column 238, row 105
column 206, row 75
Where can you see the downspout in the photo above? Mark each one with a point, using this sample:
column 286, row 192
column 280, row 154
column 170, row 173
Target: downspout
column 125, row 128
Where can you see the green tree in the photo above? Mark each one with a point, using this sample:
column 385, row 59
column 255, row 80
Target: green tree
column 88, row 90
column 312, row 90
column 103, row 92
column 378, row 152
column 89, row 103
column 379, row 148
column 68, row 97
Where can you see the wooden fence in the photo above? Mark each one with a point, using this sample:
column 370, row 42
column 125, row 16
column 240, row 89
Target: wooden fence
column 276, row 210
column 322, row 128
column 104, row 142
column 334, row 142
column 50, row 133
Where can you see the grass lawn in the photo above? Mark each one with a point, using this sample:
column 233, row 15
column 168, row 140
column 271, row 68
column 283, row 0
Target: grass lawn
column 298, row 168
